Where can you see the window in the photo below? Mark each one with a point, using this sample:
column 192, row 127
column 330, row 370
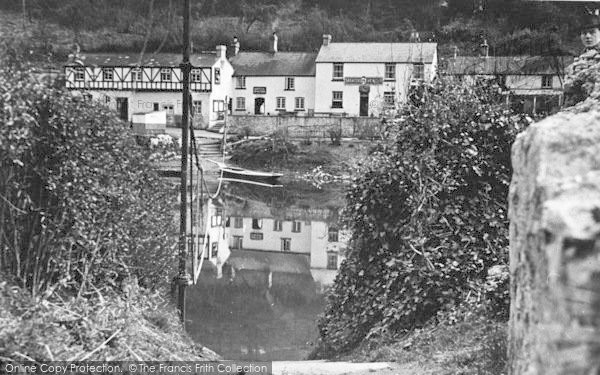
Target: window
column 296, row 226
column 217, row 76
column 390, row 71
column 418, row 71
column 290, row 83
column 156, row 106
column 256, row 236
column 338, row 99
column 332, row 261
column 286, row 244
column 165, row 75
column 240, row 104
column 136, row 75
column 197, row 107
column 300, row 104
column 218, row 105
column 217, row 219
column 240, row 82
column 79, row 74
column 338, row 71
column 238, row 222
column 389, row 98
column 196, row 75
column 214, row 249
column 277, row 225
column 108, row 74
column 280, row 103
column 547, row 81
column 237, row 242
column 256, row 223
column 333, row 235
column 106, row 99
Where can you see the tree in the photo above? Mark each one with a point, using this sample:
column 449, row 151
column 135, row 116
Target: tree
column 81, row 207
column 428, row 216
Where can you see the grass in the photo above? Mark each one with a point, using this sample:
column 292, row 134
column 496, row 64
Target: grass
column 138, row 326
column 476, row 346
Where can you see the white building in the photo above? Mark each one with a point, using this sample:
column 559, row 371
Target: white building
column 273, row 83
column 365, row 79
column 314, row 238
column 531, row 83
column 131, row 86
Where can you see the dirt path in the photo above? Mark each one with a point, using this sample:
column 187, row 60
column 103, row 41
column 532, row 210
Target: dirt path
column 343, row 368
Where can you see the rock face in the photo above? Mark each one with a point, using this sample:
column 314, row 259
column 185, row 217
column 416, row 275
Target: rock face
column 555, row 247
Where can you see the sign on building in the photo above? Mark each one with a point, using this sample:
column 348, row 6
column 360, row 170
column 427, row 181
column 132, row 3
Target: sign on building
column 259, row 90
column 363, row 80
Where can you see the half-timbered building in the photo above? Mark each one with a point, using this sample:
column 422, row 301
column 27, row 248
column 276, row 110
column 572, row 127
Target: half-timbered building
column 131, row 85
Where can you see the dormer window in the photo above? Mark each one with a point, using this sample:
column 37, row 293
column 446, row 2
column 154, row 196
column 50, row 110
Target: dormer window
column 108, row 74
column 165, row 75
column 136, row 74
column 196, row 75
column 547, row 81
column 79, row 74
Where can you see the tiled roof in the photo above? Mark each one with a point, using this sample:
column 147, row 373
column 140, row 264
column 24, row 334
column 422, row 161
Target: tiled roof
column 159, row 59
column 377, row 53
column 515, row 65
column 274, row 64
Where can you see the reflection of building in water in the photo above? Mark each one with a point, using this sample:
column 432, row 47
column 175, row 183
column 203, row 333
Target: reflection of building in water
column 322, row 243
column 210, row 231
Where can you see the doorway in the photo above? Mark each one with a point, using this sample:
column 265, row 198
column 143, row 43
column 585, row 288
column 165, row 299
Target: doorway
column 123, row 108
column 364, row 100
column 259, row 106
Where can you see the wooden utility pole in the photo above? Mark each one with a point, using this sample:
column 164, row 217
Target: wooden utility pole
column 185, row 122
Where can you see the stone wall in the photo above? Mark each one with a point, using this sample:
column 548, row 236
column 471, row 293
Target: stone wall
column 305, row 127
column 555, row 247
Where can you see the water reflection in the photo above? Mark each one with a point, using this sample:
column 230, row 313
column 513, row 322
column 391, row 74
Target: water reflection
column 269, row 255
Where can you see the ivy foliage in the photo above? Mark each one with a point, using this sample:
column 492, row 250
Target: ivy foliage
column 428, row 216
column 80, row 204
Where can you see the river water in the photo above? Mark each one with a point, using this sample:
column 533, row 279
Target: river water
column 279, row 251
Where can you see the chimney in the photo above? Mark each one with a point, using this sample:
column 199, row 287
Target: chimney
column 274, row 49
column 236, row 46
column 485, row 49
column 326, row 39
column 221, row 52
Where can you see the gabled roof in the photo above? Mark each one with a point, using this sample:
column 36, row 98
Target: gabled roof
column 377, row 53
column 274, row 64
column 203, row 60
column 502, row 65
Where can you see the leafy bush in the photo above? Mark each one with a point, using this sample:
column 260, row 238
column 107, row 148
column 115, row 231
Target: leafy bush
column 80, row 206
column 428, row 216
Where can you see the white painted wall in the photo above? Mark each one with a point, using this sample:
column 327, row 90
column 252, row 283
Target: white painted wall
column 143, row 101
column 272, row 239
column 304, row 87
column 325, row 86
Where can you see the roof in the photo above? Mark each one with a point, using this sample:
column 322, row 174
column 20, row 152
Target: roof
column 274, row 64
column 515, row 65
column 159, row 59
column 378, row 53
